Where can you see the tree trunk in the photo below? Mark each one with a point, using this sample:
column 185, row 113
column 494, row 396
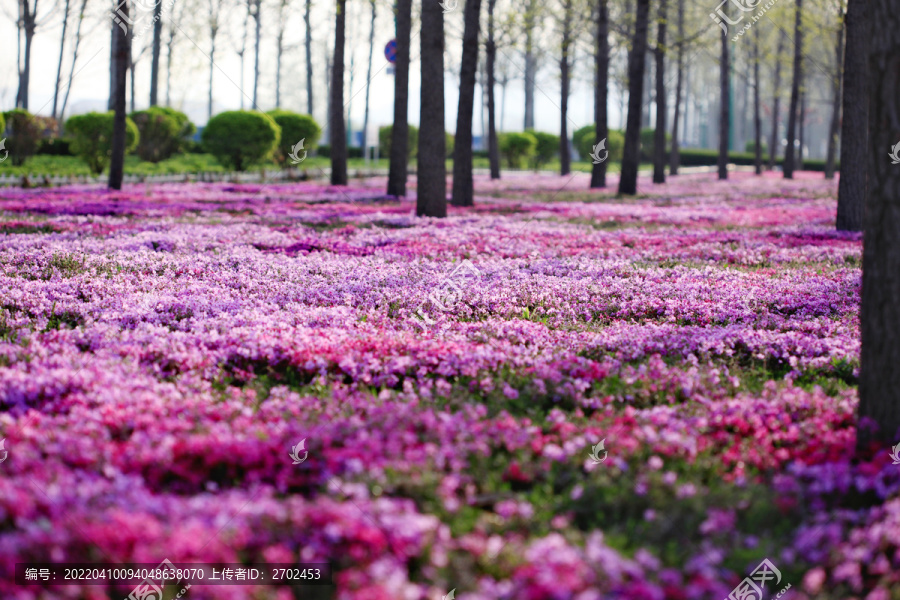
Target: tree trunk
column 632, row 153
column 62, row 46
column 659, row 138
column 309, row 66
column 257, row 18
column 564, row 67
column 62, row 110
column 601, row 89
column 491, row 61
column 795, row 94
column 724, row 102
column 120, row 65
column 855, row 123
column 170, row 45
column 801, row 125
column 154, row 62
column 338, row 133
column 131, row 71
column 776, row 104
column 28, row 14
column 835, row 127
column 400, row 130
column 110, row 104
column 463, row 187
column 757, row 120
column 279, row 50
column 242, row 53
column 368, row 81
column 530, row 63
column 431, row 190
column 675, row 154
column 879, row 377
column 213, row 32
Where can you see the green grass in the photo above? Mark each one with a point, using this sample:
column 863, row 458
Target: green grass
column 205, row 163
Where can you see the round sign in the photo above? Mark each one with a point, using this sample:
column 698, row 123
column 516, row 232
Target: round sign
column 390, row 51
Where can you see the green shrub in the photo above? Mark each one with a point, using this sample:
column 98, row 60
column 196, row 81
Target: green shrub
column 750, row 147
column 241, row 138
column 449, row 140
column 91, row 134
column 584, row 143
column 54, row 147
column 384, row 141
column 517, row 148
column 22, row 132
column 294, row 128
column 648, row 138
column 547, row 147
column 163, row 132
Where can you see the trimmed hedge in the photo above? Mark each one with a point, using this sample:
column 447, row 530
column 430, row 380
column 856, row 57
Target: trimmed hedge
column 709, row 158
column 583, row 139
column 547, row 147
column 517, row 148
column 22, row 132
column 91, row 138
column 241, row 138
column 163, row 132
column 295, row 127
column 384, row 141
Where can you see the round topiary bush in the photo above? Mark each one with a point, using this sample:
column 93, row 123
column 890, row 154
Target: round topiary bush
column 22, row 132
column 163, row 132
column 547, row 147
column 384, row 141
column 517, row 148
column 294, row 128
column 648, row 143
column 584, row 143
column 241, row 138
column 91, row 134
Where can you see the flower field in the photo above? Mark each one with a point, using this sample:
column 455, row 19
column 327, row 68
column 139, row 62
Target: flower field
column 163, row 349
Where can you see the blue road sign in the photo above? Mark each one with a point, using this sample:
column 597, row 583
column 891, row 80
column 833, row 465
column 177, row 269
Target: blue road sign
column 390, row 51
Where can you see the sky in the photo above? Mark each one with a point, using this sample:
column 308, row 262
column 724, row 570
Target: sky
column 190, row 66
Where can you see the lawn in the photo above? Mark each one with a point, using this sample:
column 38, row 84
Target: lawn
column 163, row 350
column 205, row 163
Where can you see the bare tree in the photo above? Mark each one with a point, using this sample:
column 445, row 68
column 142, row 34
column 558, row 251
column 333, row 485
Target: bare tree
column 369, row 78
column 65, row 102
column 431, row 188
column 463, row 187
column 400, row 132
column 852, row 186
column 215, row 10
column 256, row 12
column 659, row 138
column 776, row 103
column 490, row 67
column 795, row 94
column 757, row 121
column 879, row 377
column 601, row 88
column 154, row 61
column 309, row 66
column 62, row 46
column 531, row 18
column 835, row 126
column 675, row 153
column 28, row 24
column 565, row 67
column 636, row 57
column 279, row 48
column 337, row 129
column 120, row 65
column 724, row 102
